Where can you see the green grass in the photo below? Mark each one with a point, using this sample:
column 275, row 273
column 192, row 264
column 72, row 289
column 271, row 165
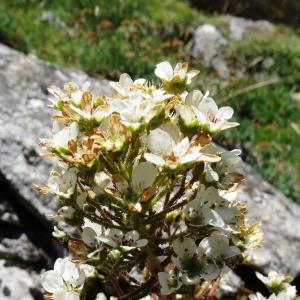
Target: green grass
column 133, row 35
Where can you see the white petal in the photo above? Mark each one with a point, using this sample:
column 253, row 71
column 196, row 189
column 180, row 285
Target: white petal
column 59, row 264
column 143, row 176
column 191, row 74
column 108, row 241
column 210, row 174
column 52, row 281
column 190, row 157
column 164, row 71
column 125, row 79
column 211, row 272
column 228, row 125
column 155, row 159
column 132, row 236
column 186, row 113
column 262, row 278
column 194, row 98
column 101, row 296
column 159, row 142
column 88, row 235
column 208, row 106
column 225, row 113
column 72, row 296
column 141, row 243
column 181, row 148
column 173, row 130
column 185, row 247
column 115, row 234
column 73, row 275
column 62, row 137
column 117, row 87
column 181, row 69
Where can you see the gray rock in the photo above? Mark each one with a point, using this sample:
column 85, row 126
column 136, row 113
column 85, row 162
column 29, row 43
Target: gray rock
column 229, row 286
column 240, row 27
column 207, row 42
column 17, row 284
column 280, row 219
column 7, row 213
column 20, row 250
column 49, row 17
column 25, row 118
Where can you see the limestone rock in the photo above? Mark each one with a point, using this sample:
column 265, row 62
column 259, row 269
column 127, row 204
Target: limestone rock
column 207, row 42
column 17, row 284
column 280, row 219
column 241, row 28
column 25, row 118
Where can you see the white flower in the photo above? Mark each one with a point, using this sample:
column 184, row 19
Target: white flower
column 200, row 212
column 143, row 176
column 136, row 112
column 201, row 215
column 62, row 181
column 277, row 283
column 217, row 248
column 272, row 278
column 115, row 238
column 63, row 135
column 229, row 163
column 132, row 240
column 165, row 72
column 65, row 281
column 126, row 86
column 257, row 296
column 192, row 262
column 90, row 232
column 169, row 282
column 184, row 248
column 289, row 294
column 99, row 113
column 71, row 93
column 65, row 213
column 168, row 150
column 202, row 111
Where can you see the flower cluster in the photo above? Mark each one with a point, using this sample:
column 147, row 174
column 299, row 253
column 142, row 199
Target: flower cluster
column 279, row 285
column 153, row 200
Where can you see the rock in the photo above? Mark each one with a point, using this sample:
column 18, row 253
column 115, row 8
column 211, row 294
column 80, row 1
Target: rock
column 49, row 17
column 25, row 233
column 240, row 28
column 25, row 118
column 280, row 219
column 229, row 286
column 207, row 42
column 17, row 284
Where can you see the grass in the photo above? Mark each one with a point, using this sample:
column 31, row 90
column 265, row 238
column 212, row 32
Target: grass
column 105, row 38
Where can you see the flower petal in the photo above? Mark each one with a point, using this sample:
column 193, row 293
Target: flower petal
column 184, row 248
column 155, row 159
column 164, row 71
column 181, row 148
column 52, row 281
column 159, row 142
column 143, row 176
